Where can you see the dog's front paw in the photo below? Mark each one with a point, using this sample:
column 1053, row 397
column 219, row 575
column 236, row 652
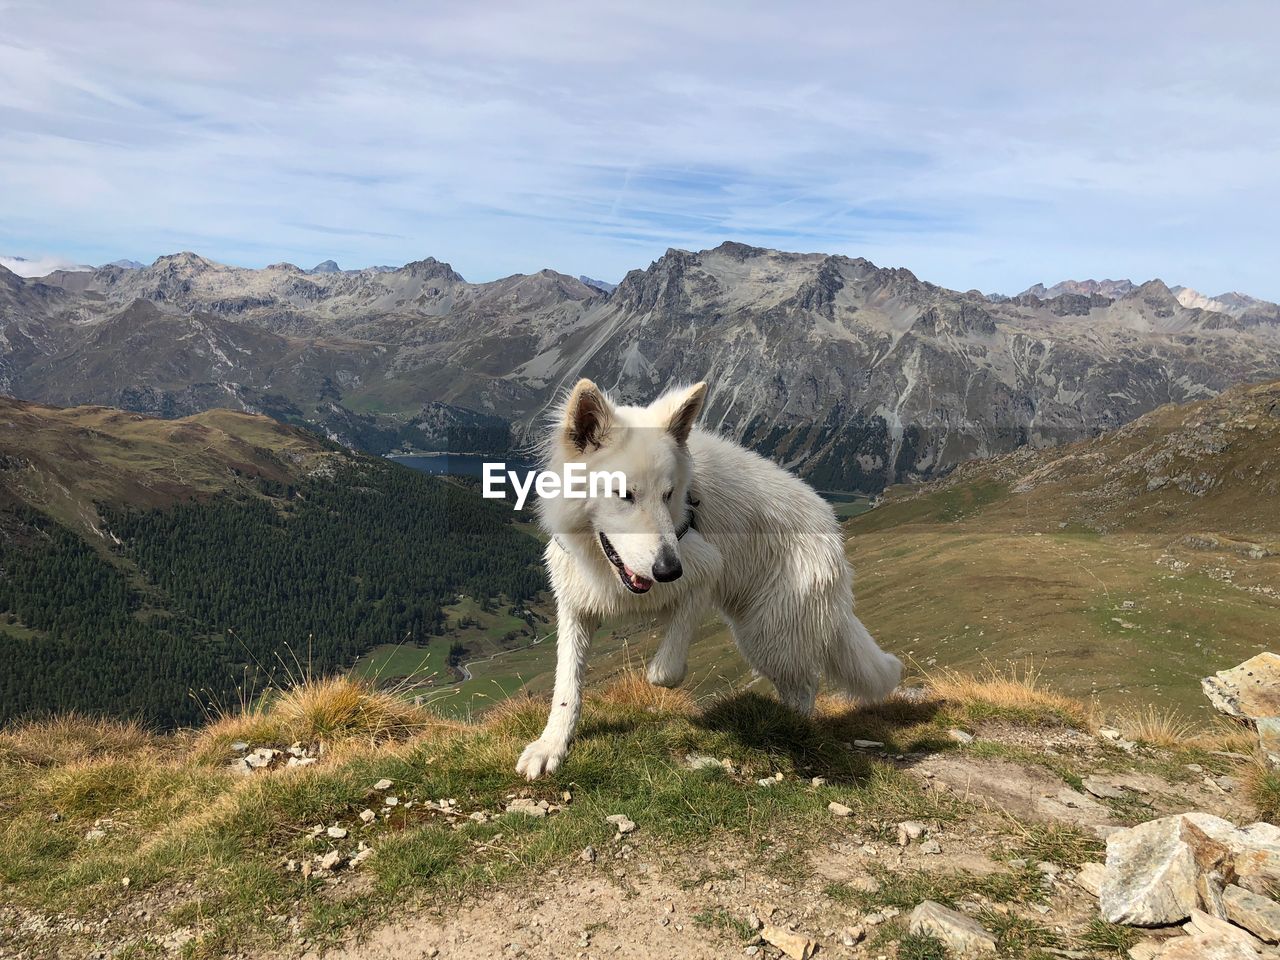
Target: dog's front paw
column 662, row 674
column 539, row 757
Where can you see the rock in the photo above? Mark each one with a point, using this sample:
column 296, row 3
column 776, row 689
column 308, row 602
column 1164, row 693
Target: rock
column 1258, row 914
column 94, row 835
column 909, row 830
column 239, row 746
column 1203, row 948
column 367, row 816
column 360, row 857
column 383, row 784
column 301, row 761
column 337, row 833
column 1201, row 924
column 930, row 847
column 1146, row 949
column 868, row 744
column 1249, row 691
column 1100, row 788
column 261, row 758
column 391, row 802
column 818, row 782
column 961, row 934
column 588, row 854
column 624, row 823
column 839, row 809
column 527, row 806
column 961, row 737
column 852, row 936
column 331, row 860
column 1151, row 874
column 1109, row 733
column 794, row 945
column 1089, row 878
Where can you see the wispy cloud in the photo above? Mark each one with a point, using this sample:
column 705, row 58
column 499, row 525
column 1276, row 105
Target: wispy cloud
column 987, row 146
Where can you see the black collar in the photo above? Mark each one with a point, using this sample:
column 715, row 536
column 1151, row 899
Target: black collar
column 690, row 521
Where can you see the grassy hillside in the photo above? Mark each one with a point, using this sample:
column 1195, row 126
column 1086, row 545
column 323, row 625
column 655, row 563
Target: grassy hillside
column 149, row 568
column 185, row 854
column 1128, row 566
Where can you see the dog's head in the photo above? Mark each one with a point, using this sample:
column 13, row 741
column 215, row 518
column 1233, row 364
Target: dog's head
column 648, row 446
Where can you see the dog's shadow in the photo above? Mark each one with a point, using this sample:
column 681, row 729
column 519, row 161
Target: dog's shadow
column 821, row 746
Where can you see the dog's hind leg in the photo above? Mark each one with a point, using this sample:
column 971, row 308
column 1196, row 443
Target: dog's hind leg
column 671, row 662
column 545, row 754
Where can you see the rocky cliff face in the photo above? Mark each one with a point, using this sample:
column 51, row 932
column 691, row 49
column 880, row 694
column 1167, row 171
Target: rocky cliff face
column 855, row 375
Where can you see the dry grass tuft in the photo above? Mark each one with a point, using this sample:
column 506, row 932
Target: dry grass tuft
column 632, row 690
column 1262, row 785
column 326, row 711
column 72, row 738
column 1017, row 689
column 1157, row 727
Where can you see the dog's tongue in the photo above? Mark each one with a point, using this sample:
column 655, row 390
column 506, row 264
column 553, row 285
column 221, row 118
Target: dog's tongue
column 637, row 581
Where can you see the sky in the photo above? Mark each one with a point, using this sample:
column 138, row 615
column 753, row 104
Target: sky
column 980, row 144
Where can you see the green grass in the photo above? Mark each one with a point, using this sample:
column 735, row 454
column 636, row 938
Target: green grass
column 176, row 815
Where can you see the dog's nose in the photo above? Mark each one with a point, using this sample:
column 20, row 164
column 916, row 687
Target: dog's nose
column 667, row 567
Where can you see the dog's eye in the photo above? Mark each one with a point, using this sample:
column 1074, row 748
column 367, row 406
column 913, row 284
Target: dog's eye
column 629, row 496
column 666, row 497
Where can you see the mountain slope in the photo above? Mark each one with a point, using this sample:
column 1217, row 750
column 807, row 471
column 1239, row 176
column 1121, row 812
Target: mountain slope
column 1126, row 566
column 857, row 376
column 148, row 567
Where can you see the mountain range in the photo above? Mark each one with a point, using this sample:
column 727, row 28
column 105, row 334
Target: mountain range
column 855, row 375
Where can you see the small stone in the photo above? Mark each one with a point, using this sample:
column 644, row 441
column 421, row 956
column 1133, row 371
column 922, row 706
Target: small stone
column 795, row 945
column 239, row 746
column 961, row 737
column 1109, row 733
column 530, row 808
column 818, row 782
column 337, row 833
column 367, row 816
column 1258, row 914
column 930, row 847
column 868, row 744
column 852, row 936
column 360, row 857
column 331, row 860
column 1100, row 788
column 961, row 934
column 909, row 830
column 94, row 835
column 766, row 782
column 124, row 882
column 624, row 823
column 839, row 809
column 391, row 802
column 751, row 949
column 383, row 784
column 1089, row 878
column 1193, row 767
column 1201, row 924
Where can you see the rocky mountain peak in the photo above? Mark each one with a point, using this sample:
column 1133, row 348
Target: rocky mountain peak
column 183, row 262
column 432, row 269
column 325, row 266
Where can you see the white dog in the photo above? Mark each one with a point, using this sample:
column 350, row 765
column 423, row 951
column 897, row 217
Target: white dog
column 704, row 524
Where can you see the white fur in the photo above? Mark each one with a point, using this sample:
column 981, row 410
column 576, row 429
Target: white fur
column 767, row 554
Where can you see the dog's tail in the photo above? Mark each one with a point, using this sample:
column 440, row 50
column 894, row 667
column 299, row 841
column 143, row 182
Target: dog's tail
column 859, row 667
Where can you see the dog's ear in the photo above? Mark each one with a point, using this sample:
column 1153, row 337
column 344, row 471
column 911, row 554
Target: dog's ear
column 685, row 409
column 587, row 416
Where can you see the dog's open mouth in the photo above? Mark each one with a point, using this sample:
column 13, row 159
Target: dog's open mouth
column 630, row 579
